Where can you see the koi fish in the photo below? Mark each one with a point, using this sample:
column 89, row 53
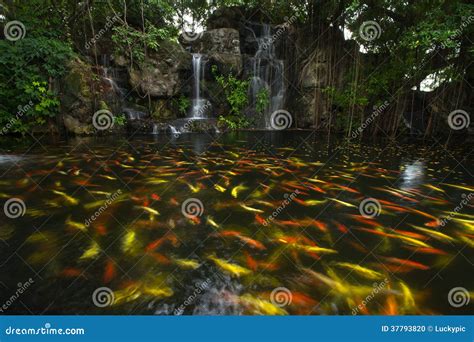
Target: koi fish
column 219, row 188
column 72, row 272
column 435, row 234
column 254, row 243
column 91, row 252
column 70, row 200
column 187, row 264
column 211, row 222
column 235, row 191
column 309, row 203
column 261, row 306
column 315, row 249
column 362, row 271
column 408, row 263
column 233, row 269
column 260, row 219
column 110, row 271
column 349, row 205
column 250, row 208
column 75, row 225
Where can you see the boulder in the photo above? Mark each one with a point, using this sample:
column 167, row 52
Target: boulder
column 74, row 126
column 222, row 47
column 160, row 74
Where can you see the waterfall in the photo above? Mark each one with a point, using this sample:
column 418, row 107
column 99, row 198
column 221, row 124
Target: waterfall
column 113, row 84
column 199, row 105
column 268, row 74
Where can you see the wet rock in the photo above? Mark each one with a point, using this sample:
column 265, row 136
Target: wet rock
column 160, row 74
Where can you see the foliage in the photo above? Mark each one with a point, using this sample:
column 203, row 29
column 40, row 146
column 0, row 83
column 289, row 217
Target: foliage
column 182, row 103
column 236, row 93
column 27, row 66
column 120, row 120
column 136, row 42
column 262, row 101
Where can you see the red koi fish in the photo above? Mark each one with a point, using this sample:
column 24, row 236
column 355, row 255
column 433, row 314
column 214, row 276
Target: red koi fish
column 110, row 271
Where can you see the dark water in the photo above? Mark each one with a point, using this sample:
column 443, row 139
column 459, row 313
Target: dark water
column 317, row 254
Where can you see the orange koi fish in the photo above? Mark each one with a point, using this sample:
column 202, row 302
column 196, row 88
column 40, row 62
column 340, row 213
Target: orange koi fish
column 110, row 271
column 405, row 262
column 72, row 272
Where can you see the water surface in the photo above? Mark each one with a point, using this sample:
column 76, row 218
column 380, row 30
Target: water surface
column 242, row 223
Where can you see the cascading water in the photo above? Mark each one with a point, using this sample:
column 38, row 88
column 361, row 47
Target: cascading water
column 198, row 109
column 267, row 75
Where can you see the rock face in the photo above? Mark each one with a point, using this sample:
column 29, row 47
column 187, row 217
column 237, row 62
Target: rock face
column 82, row 95
column 322, row 68
column 222, row 47
column 160, row 75
column 74, row 126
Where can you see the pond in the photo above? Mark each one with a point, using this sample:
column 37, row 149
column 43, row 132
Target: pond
column 239, row 223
